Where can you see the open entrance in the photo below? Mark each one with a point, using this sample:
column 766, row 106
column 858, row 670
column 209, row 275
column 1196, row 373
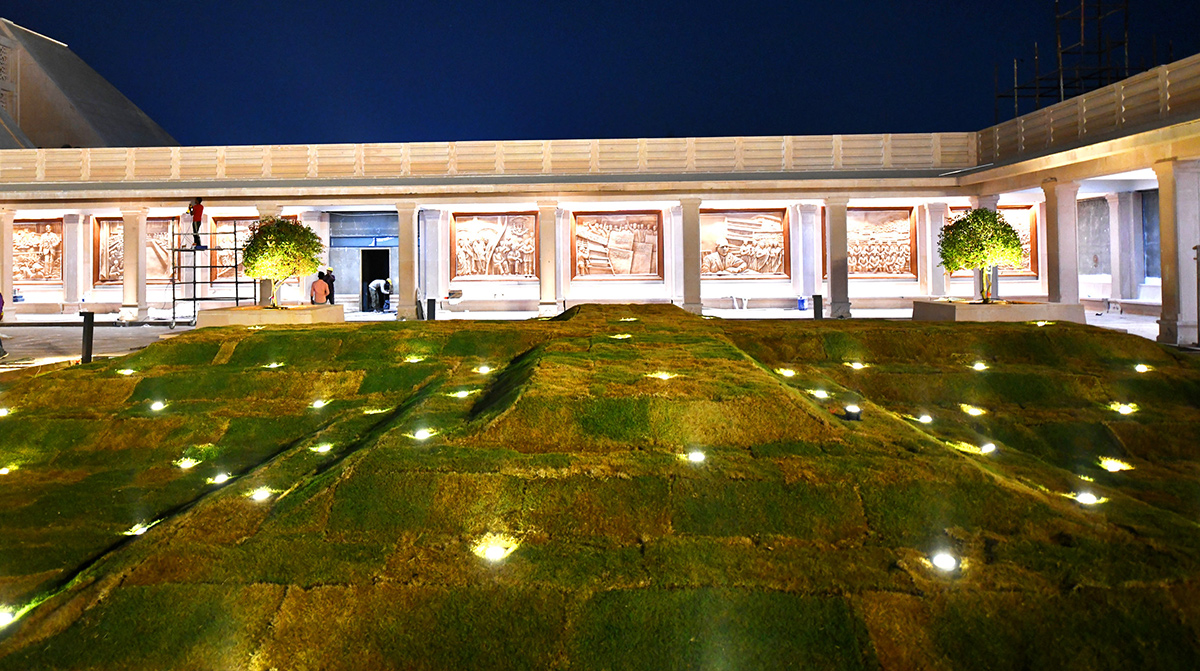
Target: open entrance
column 375, row 265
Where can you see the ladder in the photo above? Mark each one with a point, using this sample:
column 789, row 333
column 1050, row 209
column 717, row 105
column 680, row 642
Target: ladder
column 187, row 265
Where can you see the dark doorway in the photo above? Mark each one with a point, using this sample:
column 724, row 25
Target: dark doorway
column 375, row 266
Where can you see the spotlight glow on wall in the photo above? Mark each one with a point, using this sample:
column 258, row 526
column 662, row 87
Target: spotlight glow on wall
column 1123, row 408
column 322, row 448
column 319, row 403
column 980, row 366
column 972, row 410
column 786, row 372
column 819, row 393
column 157, row 405
column 944, row 561
column 494, row 547
column 661, row 375
column 412, row 358
column 187, row 462
column 1114, row 465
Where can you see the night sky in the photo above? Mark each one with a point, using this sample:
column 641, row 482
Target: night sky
column 305, row 71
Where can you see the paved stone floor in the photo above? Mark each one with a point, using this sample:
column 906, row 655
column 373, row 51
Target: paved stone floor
column 59, row 337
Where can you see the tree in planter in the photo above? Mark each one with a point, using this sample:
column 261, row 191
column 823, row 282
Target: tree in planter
column 279, row 249
column 979, row 240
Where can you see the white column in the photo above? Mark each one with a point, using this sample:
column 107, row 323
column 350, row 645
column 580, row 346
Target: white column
column 1122, row 230
column 547, row 226
column 938, row 212
column 133, row 277
column 1179, row 234
column 690, row 209
column 73, row 253
column 839, row 263
column 1062, row 257
column 264, row 285
column 810, row 250
column 406, row 283
column 6, row 262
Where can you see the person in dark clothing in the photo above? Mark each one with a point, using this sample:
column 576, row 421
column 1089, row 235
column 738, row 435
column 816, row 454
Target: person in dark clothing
column 196, row 209
column 329, row 279
column 379, row 290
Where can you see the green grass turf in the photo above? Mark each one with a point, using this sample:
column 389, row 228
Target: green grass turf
column 801, row 541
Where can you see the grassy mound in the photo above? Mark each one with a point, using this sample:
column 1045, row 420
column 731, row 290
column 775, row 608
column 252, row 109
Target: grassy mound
column 340, row 480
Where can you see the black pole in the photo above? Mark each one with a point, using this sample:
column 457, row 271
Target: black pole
column 431, row 310
column 89, row 325
column 818, row 306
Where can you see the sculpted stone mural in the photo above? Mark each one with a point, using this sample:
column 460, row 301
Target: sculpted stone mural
column 110, row 249
column 881, row 242
column 225, row 244
column 743, row 243
column 494, row 246
column 37, row 251
column 626, row 245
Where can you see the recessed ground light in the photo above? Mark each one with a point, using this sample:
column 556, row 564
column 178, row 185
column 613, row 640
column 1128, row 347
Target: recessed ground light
column 925, row 419
column 5, row 412
column 1123, row 408
column 695, row 456
column 987, row 448
column 219, row 479
column 5, row 470
column 157, row 405
column 459, row 394
column 621, row 336
column 139, row 529
column 375, row 411
column 819, row 393
column 322, row 448
column 1088, row 498
column 661, row 375
column 786, row 372
column 126, row 371
column 972, row 410
column 413, row 359
column 320, row 403
column 853, row 413
column 483, row 370
column 628, row 319
column 273, row 364
column 944, row 561
column 424, row 434
column 1142, row 368
column 1042, row 323
column 979, row 365
column 187, row 462
column 856, row 365
column 1114, row 465
column 255, row 328
column 261, row 494
column 494, row 547
column 7, row 617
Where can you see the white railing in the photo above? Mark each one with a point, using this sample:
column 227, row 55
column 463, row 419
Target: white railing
column 1154, row 97
column 948, row 151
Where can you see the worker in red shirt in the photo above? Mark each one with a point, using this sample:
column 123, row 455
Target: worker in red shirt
column 196, row 209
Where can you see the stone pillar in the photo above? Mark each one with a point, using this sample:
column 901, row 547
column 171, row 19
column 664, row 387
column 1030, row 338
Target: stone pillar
column 406, row 284
column 810, row 250
column 938, row 212
column 986, row 203
column 73, row 254
column 264, row 286
column 547, row 227
column 133, row 277
column 1122, row 230
column 6, row 262
column 690, row 209
column 839, row 264
column 1179, row 234
column 1062, row 258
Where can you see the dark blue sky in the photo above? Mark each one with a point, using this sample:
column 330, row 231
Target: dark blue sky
column 305, row 71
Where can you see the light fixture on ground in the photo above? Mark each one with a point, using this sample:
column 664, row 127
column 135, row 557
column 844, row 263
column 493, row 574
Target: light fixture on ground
column 695, row 456
column 621, row 336
column 322, row 448
column 853, row 413
column 819, row 393
column 5, row 471
column 273, row 364
column 413, row 359
column 187, row 462
column 424, row 434
column 1114, row 465
column 125, row 371
column 1088, row 498
column 261, row 494
column 493, row 547
column 375, row 411
column 5, row 412
column 219, row 479
column 980, row 366
column 139, row 528
column 944, row 561
column 462, row 393
column 987, row 448
column 1042, row 323
column 7, row 617
column 786, row 372
column 925, row 419
column 1142, row 368
column 1123, row 408
column 972, row 410
column 255, row 328
column 628, row 319
column 483, row 370
column 319, row 403
column 157, row 405
column 856, row 365
column 661, row 375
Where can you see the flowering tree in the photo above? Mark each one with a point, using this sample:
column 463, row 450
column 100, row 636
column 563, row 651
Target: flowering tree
column 979, row 240
column 279, row 249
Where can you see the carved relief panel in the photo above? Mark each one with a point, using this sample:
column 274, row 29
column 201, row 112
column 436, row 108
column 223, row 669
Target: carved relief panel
column 881, row 242
column 616, row 245
column 38, row 251
column 228, row 235
column 1024, row 220
column 109, row 250
column 494, row 246
column 744, row 244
